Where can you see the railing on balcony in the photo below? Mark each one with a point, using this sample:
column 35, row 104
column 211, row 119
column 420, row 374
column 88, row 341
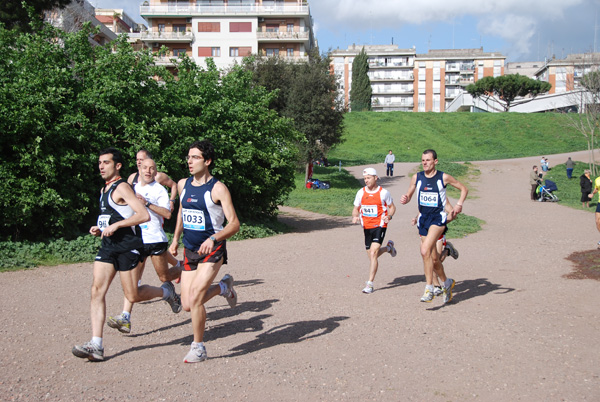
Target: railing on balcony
column 162, row 36
column 305, row 35
column 244, row 9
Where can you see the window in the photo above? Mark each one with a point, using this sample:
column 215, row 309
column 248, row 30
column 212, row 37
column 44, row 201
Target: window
column 234, row 52
column 209, row 27
column 272, row 28
column 204, row 51
column 240, row 27
column 240, row 51
column 161, row 27
column 178, row 52
column 215, row 52
column 272, row 52
column 422, row 73
column 290, row 52
column 290, row 27
column 178, row 28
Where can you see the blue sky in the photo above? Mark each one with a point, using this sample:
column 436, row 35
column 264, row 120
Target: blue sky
column 522, row 30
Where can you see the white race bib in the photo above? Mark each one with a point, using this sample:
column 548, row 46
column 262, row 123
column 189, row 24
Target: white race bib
column 427, row 199
column 193, row 219
column 103, row 222
column 369, row 211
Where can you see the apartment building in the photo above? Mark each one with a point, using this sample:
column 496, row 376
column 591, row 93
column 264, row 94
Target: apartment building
column 564, row 74
column 390, row 73
column 228, row 30
column 441, row 75
column 402, row 80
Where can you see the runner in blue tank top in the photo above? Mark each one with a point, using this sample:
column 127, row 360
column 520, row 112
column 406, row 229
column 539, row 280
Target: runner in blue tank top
column 431, row 187
column 205, row 204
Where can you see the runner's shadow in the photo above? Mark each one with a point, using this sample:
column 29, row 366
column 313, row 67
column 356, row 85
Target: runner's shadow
column 288, row 333
column 465, row 290
column 404, row 281
column 254, row 324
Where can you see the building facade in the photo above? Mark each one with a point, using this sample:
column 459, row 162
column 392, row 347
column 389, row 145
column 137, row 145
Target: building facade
column 565, row 74
column 228, row 30
column 402, row 80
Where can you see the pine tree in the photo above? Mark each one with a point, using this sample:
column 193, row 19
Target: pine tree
column 360, row 94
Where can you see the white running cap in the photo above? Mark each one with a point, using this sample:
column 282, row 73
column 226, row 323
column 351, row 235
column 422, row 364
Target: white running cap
column 370, row 172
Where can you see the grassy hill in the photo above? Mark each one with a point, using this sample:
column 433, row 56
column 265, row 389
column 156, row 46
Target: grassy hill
column 368, row 136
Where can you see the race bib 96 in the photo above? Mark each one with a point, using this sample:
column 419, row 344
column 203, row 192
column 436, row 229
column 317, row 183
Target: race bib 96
column 103, row 222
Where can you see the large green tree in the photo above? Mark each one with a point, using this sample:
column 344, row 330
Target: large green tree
column 306, row 93
column 18, row 14
column 505, row 89
column 360, row 93
column 62, row 100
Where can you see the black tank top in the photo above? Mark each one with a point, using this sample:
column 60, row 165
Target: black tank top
column 124, row 239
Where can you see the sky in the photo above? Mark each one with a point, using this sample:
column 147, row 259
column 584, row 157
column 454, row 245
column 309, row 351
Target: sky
column 522, row 30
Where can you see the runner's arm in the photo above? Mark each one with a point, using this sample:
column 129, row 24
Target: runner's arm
column 459, row 186
column 178, row 224
column 355, row 215
column 405, row 199
column 390, row 212
column 125, row 192
column 165, row 180
column 220, row 194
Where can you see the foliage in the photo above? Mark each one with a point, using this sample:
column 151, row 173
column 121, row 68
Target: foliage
column 506, row 88
column 63, row 100
column 18, row 14
column 27, row 254
column 305, row 93
column 360, row 93
column 587, row 120
column 455, row 136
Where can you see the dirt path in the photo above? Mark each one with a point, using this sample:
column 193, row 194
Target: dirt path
column 303, row 331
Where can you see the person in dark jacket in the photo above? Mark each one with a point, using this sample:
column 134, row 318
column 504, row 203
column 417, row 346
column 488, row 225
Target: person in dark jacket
column 585, row 182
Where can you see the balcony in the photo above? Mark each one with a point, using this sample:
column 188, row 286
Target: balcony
column 173, row 37
column 302, row 36
column 379, row 64
column 393, row 91
column 378, row 78
column 190, row 10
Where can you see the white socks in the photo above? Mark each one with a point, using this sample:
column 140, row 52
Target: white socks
column 96, row 340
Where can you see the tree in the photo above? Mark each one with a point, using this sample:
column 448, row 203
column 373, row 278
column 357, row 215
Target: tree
column 360, row 93
column 62, row 100
column 587, row 119
column 505, row 89
column 19, row 13
column 307, row 94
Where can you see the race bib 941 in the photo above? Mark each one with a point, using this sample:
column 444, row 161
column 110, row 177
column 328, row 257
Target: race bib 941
column 103, row 221
column 428, row 199
column 193, row 219
column 369, row 211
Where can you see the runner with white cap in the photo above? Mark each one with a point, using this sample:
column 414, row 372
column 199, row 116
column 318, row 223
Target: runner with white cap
column 374, row 208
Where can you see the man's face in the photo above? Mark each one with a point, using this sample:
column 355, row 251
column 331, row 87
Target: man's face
column 139, row 158
column 370, row 181
column 390, row 152
column 148, row 171
column 428, row 162
column 107, row 167
column 196, row 162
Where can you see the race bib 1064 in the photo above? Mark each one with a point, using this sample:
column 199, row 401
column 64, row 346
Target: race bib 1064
column 103, row 222
column 369, row 211
column 193, row 219
column 428, row 199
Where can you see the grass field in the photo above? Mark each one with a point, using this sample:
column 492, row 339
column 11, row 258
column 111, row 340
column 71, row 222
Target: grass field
column 368, row 136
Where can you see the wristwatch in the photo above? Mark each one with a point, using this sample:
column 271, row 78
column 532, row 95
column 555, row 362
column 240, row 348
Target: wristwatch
column 147, row 204
column 213, row 238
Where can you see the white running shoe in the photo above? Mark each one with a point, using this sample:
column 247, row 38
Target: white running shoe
column 448, row 292
column 451, row 250
column 427, row 296
column 196, row 354
column 437, row 291
column 230, row 295
column 369, row 288
column 391, row 248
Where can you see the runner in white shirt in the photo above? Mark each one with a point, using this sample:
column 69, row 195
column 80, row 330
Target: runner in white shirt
column 154, row 196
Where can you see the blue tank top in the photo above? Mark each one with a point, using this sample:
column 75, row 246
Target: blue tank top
column 201, row 217
column 431, row 193
column 124, row 239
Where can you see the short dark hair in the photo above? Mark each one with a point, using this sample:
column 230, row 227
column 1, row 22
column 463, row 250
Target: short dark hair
column 117, row 157
column 207, row 149
column 148, row 154
column 432, row 152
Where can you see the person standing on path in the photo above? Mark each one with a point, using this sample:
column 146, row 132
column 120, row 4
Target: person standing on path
column 121, row 213
column 205, row 204
column 389, row 164
column 374, row 208
column 534, row 181
column 569, row 164
column 430, row 185
column 155, row 198
column 585, row 182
